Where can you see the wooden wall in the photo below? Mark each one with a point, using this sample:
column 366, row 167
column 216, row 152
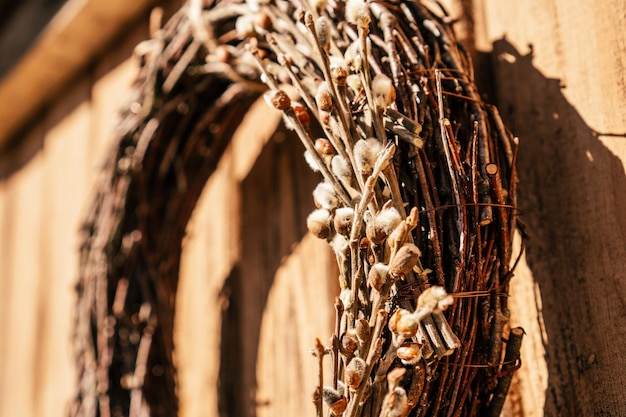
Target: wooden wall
column 570, row 296
column 558, row 76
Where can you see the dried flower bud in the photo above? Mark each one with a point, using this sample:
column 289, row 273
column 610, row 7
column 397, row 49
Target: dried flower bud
column 366, row 153
column 434, row 299
column 404, row 261
column 341, row 168
column 322, row 28
column 354, row 82
column 377, row 276
column 324, row 196
column 363, row 330
column 348, row 344
column 346, row 298
column 222, row 53
column 355, row 372
column 244, row 26
column 278, row 99
column 324, row 147
column 352, row 56
column 383, row 90
column 343, row 220
column 302, row 114
column 394, row 377
column 311, row 161
column 410, row 353
column 324, row 117
column 335, row 400
column 341, row 246
column 318, row 223
column 262, row 20
column 395, row 403
column 339, row 74
column 323, row 99
column 358, row 13
column 380, row 226
column 403, row 323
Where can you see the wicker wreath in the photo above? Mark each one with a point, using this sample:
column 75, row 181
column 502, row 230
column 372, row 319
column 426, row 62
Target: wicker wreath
column 417, row 201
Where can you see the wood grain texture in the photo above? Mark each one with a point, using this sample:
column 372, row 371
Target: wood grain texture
column 559, row 76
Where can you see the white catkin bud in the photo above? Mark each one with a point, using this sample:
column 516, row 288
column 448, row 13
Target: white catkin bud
column 357, row 13
column 341, row 168
column 325, row 196
column 395, row 403
column 352, row 56
column 377, row 276
column 382, row 225
column 354, row 82
column 322, row 27
column 410, row 353
column 318, row 223
column 311, row 161
column 343, row 220
column 365, row 154
column 341, row 246
column 323, row 99
column 244, row 26
column 346, row 298
column 355, row 371
column 383, row 90
column 434, row 299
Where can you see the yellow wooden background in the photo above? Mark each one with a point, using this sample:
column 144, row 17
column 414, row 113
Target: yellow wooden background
column 566, row 101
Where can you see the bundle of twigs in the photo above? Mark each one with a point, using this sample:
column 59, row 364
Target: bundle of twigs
column 417, row 201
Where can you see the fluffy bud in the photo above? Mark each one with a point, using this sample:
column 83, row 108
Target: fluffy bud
column 377, row 276
column 410, row 353
column 348, row 344
column 383, row 90
column 244, row 26
column 318, row 223
column 354, row 82
column 403, row 323
column 325, row 196
column 352, row 56
column 358, row 13
column 322, row 28
column 381, row 225
column 366, row 153
column 311, row 161
column 323, row 99
column 343, row 220
column 341, row 168
column 355, row 372
column 339, row 74
column 395, row 404
column 434, row 299
column 335, row 400
column 404, row 260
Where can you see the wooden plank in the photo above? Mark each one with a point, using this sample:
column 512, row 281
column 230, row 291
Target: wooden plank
column 299, row 310
column 210, row 251
column 65, row 193
column 77, row 34
column 560, row 97
column 22, row 274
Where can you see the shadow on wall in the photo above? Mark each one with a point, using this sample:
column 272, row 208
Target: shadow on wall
column 276, row 200
column 572, row 197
